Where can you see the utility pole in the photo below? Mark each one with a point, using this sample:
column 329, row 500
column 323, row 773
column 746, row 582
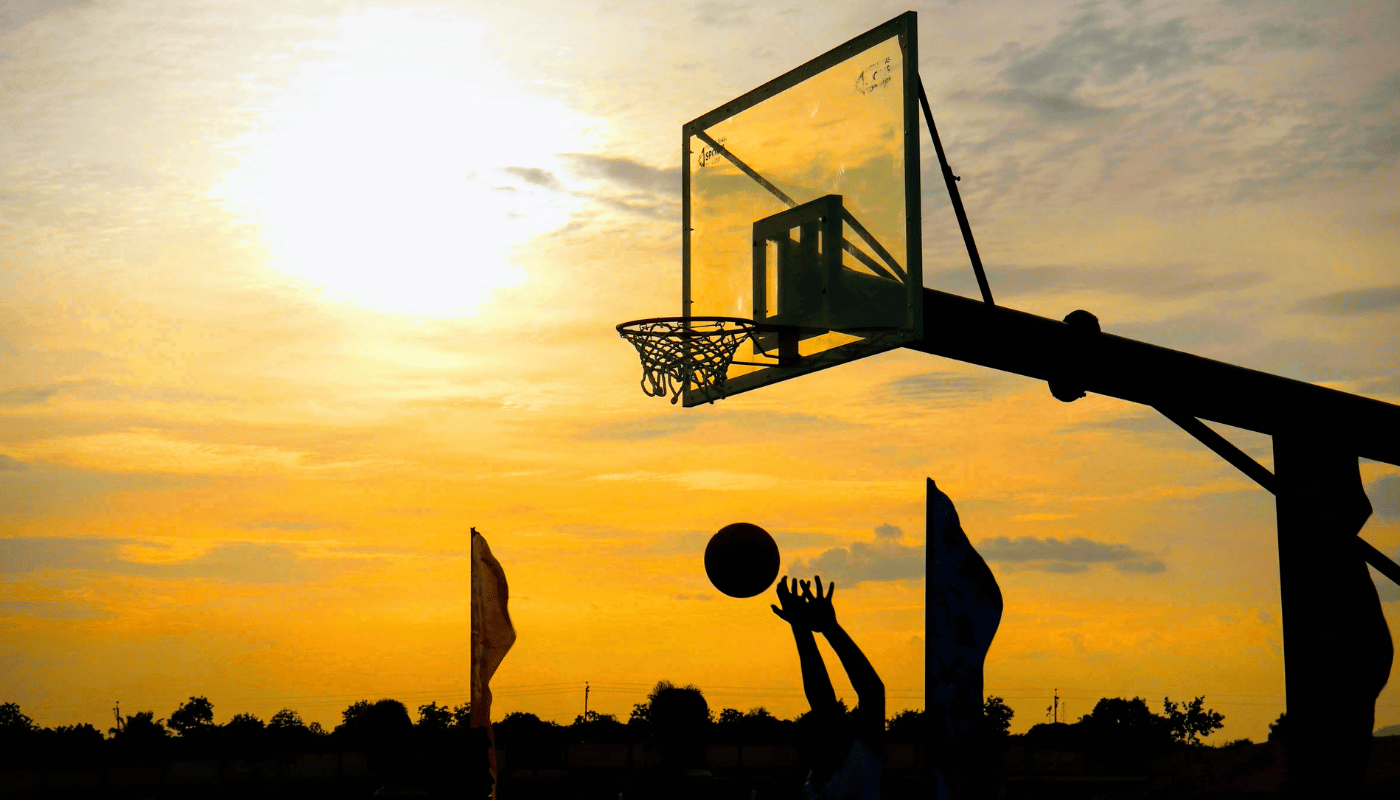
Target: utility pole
column 1053, row 710
column 117, row 712
column 585, row 701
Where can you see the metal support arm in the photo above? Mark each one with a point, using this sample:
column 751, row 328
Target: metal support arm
column 1045, row 349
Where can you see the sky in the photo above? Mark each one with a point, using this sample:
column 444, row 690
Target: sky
column 297, row 293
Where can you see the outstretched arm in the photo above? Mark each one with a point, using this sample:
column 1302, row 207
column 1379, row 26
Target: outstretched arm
column 869, row 688
column 815, row 682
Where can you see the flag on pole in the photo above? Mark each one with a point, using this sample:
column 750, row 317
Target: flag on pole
column 492, row 632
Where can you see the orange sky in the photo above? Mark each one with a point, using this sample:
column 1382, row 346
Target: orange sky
column 292, row 300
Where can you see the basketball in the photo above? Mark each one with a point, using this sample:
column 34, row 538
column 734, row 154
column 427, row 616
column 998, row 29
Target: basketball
column 742, row 560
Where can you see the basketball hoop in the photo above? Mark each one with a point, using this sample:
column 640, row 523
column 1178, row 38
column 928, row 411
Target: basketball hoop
column 678, row 352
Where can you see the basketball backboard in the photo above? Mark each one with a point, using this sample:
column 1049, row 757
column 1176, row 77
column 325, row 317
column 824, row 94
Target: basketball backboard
column 800, row 211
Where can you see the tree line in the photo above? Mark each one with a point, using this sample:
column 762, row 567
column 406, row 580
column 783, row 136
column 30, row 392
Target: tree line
column 1117, row 728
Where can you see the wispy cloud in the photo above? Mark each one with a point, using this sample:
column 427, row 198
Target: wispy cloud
column 942, row 389
column 626, row 172
column 1286, row 36
column 232, row 561
column 1384, row 494
column 536, row 177
column 281, row 525
column 1073, row 555
column 52, row 609
column 1163, row 282
column 27, row 397
column 1353, row 301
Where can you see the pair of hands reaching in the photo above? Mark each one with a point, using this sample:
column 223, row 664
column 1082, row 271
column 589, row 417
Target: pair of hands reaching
column 804, row 610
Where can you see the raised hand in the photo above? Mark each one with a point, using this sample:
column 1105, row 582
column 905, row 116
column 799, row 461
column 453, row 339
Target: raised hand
column 819, row 613
column 794, row 606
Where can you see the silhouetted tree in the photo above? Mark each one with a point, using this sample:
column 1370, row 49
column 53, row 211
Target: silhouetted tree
column 997, row 715
column 596, row 727
column 1123, row 734
column 141, row 727
column 316, row 729
column 12, row 720
column 1116, row 716
column 759, row 726
column 1231, row 745
column 434, row 717
column 352, row 711
column 286, row 719
column 906, row 726
column 533, row 742
column 1190, row 721
column 80, row 732
column 193, row 717
column 462, row 716
column 593, row 716
column 730, row 716
column 73, row 739
column 640, row 716
column 244, row 723
column 1278, row 729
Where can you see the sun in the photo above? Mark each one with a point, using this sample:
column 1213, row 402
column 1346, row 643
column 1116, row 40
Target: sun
column 405, row 183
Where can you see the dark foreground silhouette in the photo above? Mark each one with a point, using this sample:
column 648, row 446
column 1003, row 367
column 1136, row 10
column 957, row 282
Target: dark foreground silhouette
column 842, row 751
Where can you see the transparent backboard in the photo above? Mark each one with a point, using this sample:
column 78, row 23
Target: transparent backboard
column 801, row 211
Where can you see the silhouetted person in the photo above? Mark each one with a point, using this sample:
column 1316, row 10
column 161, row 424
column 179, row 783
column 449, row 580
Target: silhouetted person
column 844, row 751
column 680, row 723
column 385, row 734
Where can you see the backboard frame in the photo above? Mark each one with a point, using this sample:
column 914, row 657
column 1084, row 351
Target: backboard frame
column 905, row 28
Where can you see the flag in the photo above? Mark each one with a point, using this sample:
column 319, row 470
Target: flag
column 962, row 611
column 492, row 632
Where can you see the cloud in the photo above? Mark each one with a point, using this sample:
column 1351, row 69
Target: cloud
column 1283, row 35
column 941, row 389
column 1384, row 494
column 1165, row 282
column 1051, row 106
column 1087, row 50
column 15, row 14
column 1382, row 94
column 888, row 531
column 231, row 561
column 281, row 525
column 1074, row 555
column 754, row 423
column 704, row 479
column 859, row 562
column 1388, row 591
column 1389, row 385
column 39, row 488
column 628, row 173
column 52, row 609
column 1352, row 301
column 536, row 177
column 1314, row 360
column 721, row 15
column 639, row 429
column 1148, row 567
column 1188, row 331
column 26, row 397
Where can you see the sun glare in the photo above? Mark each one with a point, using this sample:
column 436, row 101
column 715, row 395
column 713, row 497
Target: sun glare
column 405, row 183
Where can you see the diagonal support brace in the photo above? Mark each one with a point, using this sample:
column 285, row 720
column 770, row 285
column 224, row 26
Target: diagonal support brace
column 1262, row 476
